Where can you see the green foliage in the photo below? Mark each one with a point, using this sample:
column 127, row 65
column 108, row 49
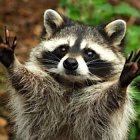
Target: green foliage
column 126, row 10
column 96, row 12
column 133, row 38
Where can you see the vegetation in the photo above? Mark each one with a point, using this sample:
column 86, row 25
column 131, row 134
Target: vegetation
column 101, row 11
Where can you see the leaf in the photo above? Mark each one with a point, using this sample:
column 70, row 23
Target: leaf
column 133, row 39
column 125, row 9
column 99, row 2
column 74, row 13
column 132, row 135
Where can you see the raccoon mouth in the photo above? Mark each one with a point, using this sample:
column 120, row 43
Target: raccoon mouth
column 72, row 80
column 73, row 73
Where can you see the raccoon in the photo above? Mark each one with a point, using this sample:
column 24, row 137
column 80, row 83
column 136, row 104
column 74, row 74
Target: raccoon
column 75, row 84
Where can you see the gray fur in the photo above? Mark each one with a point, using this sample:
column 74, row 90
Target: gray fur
column 47, row 109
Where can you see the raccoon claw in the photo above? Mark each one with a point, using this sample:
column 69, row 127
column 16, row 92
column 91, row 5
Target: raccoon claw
column 7, row 51
column 131, row 69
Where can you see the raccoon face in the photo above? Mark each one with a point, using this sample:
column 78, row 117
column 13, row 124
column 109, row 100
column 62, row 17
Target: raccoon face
column 77, row 51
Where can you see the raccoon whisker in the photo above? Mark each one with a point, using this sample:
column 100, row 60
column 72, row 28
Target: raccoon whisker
column 55, row 56
column 49, row 63
column 99, row 68
column 52, row 61
column 97, row 63
column 115, row 65
column 92, row 61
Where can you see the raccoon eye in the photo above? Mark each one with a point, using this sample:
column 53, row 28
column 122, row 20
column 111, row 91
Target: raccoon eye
column 90, row 53
column 61, row 51
column 63, row 48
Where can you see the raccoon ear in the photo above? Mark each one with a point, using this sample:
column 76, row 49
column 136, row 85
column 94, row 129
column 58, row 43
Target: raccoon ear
column 116, row 31
column 52, row 21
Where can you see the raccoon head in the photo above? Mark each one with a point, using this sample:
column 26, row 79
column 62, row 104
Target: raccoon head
column 78, row 52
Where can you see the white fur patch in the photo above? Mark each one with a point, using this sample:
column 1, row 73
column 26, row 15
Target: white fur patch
column 60, row 66
column 82, row 67
column 83, row 44
column 35, row 68
column 105, row 53
column 52, row 44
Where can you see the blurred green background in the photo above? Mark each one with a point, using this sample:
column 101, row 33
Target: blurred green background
column 24, row 18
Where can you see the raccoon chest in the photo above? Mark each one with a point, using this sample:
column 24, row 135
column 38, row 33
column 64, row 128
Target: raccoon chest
column 71, row 118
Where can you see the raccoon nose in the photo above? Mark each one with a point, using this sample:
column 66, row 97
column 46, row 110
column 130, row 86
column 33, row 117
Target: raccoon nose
column 70, row 64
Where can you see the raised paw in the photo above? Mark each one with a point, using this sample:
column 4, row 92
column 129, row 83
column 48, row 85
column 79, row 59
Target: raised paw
column 131, row 69
column 7, row 50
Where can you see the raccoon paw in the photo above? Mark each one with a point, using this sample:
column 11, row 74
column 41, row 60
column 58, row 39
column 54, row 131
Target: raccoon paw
column 7, row 50
column 131, row 69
